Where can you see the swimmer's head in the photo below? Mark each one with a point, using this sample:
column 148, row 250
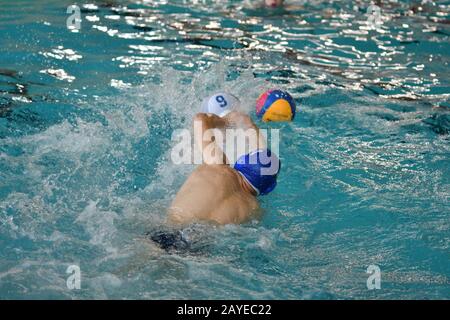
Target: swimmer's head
column 274, row 3
column 220, row 104
column 260, row 169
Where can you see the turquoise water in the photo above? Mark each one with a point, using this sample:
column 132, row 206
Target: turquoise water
column 86, row 120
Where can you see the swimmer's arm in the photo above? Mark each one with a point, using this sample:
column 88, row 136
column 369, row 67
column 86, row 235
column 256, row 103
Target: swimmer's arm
column 204, row 137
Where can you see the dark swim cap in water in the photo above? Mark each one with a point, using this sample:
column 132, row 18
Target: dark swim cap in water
column 260, row 168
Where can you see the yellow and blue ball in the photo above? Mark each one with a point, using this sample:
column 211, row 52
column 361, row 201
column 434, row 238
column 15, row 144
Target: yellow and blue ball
column 275, row 105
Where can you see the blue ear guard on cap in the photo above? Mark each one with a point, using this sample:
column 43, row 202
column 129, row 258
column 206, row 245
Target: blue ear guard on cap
column 260, row 168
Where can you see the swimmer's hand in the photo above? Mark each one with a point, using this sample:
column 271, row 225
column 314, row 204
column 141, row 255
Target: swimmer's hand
column 211, row 120
column 237, row 119
column 234, row 119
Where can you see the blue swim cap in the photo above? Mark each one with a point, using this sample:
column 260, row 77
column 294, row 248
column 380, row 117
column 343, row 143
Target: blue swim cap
column 260, row 168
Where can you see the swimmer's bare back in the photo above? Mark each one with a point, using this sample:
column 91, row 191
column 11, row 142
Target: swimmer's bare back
column 215, row 192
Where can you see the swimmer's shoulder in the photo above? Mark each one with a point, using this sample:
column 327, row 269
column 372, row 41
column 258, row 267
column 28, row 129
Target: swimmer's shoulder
column 220, row 177
column 212, row 170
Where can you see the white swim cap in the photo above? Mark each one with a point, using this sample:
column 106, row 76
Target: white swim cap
column 220, row 104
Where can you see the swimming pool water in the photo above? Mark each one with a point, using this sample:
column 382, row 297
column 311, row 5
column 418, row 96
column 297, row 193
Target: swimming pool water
column 86, row 120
